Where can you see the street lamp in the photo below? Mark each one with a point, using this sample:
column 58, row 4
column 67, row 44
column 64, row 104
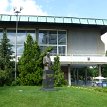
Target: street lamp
column 16, row 11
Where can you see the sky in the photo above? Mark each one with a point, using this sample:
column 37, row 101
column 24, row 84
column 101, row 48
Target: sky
column 69, row 8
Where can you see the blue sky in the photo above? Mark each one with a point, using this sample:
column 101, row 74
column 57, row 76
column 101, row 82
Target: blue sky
column 75, row 8
column 72, row 8
column 67, row 8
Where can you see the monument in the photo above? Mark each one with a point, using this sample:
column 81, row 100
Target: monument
column 48, row 73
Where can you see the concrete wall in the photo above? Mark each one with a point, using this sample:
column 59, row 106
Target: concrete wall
column 85, row 41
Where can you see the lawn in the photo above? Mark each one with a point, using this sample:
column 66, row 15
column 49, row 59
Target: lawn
column 32, row 96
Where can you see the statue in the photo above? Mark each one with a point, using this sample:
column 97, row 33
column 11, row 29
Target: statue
column 47, row 64
column 48, row 79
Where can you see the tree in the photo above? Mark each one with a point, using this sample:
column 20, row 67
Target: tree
column 6, row 63
column 58, row 74
column 30, row 63
column 104, row 68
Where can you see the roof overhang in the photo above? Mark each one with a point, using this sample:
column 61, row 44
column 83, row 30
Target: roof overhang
column 53, row 21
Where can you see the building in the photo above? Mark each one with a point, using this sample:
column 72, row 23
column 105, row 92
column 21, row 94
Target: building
column 76, row 40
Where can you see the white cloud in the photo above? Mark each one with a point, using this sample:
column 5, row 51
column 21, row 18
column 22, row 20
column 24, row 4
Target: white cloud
column 30, row 7
column 3, row 6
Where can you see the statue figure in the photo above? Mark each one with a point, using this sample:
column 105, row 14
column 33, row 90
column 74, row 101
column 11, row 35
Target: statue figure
column 48, row 73
column 47, row 64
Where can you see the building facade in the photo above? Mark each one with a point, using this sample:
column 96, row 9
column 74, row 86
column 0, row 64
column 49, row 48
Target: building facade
column 77, row 41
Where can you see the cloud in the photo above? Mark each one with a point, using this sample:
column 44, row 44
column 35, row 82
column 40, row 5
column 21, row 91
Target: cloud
column 30, row 7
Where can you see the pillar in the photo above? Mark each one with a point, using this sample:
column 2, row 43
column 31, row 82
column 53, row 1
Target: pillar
column 69, row 75
column 77, row 76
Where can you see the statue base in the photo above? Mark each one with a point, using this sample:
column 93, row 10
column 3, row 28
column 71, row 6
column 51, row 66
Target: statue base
column 48, row 82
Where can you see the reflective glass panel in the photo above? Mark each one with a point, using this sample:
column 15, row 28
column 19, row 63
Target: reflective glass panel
column 5, row 18
column 43, row 37
column 75, row 20
column 61, row 50
column 11, row 34
column 91, row 21
column 54, row 51
column 20, row 49
column 105, row 22
column 83, row 21
column 61, row 37
column 32, row 33
column 50, row 19
column 100, row 22
column 33, row 19
column 59, row 19
column 1, row 34
column 21, row 36
column 42, row 48
column 13, row 18
column 23, row 18
column 13, row 49
column 41, row 19
column 52, row 37
column 67, row 20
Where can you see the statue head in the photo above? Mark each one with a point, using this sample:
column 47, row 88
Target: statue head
column 48, row 54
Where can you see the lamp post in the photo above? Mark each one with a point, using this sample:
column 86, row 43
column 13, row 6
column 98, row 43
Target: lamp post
column 16, row 11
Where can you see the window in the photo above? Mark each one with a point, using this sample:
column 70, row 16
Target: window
column 53, row 38
column 21, row 38
column 1, row 34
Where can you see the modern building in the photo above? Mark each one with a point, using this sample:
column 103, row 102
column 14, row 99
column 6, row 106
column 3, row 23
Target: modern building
column 76, row 40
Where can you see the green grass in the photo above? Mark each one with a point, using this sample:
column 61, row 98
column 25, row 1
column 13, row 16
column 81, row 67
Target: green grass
column 32, row 96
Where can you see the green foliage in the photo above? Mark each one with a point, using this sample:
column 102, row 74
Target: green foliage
column 58, row 74
column 6, row 63
column 32, row 96
column 30, row 64
column 104, row 70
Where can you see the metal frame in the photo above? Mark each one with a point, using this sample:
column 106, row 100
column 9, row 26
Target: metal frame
column 53, row 19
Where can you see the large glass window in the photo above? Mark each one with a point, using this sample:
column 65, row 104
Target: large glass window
column 52, row 37
column 21, row 38
column 1, row 34
column 47, row 37
column 61, row 50
column 55, row 39
column 43, row 37
column 61, row 37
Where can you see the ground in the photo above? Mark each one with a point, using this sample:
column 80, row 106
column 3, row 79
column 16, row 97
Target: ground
column 32, row 96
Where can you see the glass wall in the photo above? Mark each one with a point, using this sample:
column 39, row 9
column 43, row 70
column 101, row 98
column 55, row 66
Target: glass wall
column 1, row 34
column 21, row 38
column 55, row 38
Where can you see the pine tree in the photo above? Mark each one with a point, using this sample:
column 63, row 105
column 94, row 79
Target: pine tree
column 6, row 63
column 30, row 64
column 58, row 74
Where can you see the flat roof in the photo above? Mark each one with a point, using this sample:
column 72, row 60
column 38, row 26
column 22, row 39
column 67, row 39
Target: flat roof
column 53, row 19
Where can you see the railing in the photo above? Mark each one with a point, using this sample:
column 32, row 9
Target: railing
column 53, row 19
column 82, row 59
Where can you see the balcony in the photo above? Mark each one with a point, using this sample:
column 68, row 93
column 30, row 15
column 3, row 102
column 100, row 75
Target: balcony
column 76, row 59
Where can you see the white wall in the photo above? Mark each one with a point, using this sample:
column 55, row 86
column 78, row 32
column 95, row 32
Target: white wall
column 85, row 41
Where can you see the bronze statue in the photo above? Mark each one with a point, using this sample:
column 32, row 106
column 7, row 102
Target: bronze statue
column 48, row 73
column 47, row 64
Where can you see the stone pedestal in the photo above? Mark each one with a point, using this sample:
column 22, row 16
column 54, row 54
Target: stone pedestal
column 48, row 82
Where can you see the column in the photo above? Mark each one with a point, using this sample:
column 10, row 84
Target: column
column 77, row 76
column 69, row 75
